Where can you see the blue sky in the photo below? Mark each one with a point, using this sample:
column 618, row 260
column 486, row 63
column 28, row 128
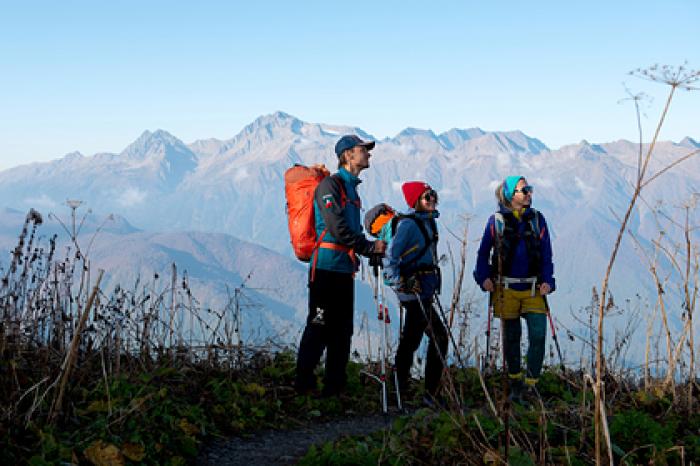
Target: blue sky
column 92, row 76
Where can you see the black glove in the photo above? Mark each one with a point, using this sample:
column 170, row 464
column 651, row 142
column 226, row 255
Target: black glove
column 375, row 260
column 409, row 285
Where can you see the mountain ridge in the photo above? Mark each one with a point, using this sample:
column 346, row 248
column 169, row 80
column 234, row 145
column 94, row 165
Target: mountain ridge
column 235, row 186
column 149, row 142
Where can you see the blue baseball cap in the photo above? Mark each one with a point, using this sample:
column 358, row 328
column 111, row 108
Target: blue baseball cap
column 349, row 141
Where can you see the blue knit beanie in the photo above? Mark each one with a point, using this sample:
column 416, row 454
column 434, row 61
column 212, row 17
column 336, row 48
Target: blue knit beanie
column 509, row 186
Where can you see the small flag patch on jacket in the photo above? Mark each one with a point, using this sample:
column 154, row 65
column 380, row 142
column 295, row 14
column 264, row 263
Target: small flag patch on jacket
column 328, row 201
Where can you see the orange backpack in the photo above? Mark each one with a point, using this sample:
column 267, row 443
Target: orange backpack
column 299, row 185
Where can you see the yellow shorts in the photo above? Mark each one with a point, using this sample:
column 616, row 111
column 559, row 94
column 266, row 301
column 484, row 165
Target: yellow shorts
column 511, row 304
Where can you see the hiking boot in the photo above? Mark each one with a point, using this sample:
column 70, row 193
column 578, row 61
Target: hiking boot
column 436, row 403
column 310, row 392
column 530, row 395
column 516, row 391
column 332, row 391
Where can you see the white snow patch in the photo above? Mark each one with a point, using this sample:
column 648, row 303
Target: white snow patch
column 503, row 161
column 331, row 131
column 583, row 187
column 131, row 197
column 544, row 182
column 241, row 174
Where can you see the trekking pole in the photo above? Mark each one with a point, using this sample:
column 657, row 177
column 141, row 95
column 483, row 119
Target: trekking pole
column 387, row 337
column 430, row 329
column 396, row 374
column 489, row 311
column 505, row 413
column 554, row 333
column 378, row 378
column 443, row 358
column 448, row 330
column 381, row 315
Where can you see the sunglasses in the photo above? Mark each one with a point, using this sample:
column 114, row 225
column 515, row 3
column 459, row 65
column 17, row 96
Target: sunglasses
column 525, row 190
column 428, row 195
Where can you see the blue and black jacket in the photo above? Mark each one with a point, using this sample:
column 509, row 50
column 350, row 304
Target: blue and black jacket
column 337, row 218
column 407, row 256
column 524, row 253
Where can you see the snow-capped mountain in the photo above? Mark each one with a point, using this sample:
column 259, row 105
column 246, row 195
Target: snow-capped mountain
column 235, row 187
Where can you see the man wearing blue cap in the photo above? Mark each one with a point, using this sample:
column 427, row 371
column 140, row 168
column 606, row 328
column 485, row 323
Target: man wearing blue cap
column 514, row 264
column 333, row 264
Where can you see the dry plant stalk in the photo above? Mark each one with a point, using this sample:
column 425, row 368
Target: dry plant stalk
column 686, row 268
column 73, row 351
column 675, row 78
column 459, row 278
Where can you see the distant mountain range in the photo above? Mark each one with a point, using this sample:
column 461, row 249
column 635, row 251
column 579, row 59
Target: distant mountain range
column 269, row 296
column 214, row 188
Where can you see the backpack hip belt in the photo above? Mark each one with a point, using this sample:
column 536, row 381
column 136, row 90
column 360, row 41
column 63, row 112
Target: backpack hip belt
column 335, row 247
column 340, row 247
column 507, row 281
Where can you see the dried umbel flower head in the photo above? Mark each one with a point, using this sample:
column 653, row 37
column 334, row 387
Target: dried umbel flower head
column 34, row 217
column 677, row 77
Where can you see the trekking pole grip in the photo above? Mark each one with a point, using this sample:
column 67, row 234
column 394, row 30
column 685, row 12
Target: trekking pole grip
column 375, row 261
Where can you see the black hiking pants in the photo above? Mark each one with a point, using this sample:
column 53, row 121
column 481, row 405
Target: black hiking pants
column 416, row 324
column 329, row 327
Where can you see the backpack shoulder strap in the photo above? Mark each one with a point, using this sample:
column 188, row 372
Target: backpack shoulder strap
column 499, row 225
column 397, row 218
column 535, row 224
column 341, row 184
column 421, row 227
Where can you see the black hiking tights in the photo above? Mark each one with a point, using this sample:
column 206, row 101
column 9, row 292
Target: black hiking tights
column 328, row 327
column 416, row 324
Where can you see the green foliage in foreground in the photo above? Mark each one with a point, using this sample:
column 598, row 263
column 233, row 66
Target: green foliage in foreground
column 162, row 416
column 555, row 432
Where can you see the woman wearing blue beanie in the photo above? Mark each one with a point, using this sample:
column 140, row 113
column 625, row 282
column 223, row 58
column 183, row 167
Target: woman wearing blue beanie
column 514, row 264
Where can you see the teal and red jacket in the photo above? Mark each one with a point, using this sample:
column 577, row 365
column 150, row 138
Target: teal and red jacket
column 337, row 218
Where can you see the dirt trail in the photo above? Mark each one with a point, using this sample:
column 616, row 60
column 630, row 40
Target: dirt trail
column 285, row 447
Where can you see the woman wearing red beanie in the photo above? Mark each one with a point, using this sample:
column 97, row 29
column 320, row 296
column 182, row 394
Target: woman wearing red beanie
column 411, row 269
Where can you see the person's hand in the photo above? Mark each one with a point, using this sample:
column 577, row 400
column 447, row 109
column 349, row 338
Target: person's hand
column 379, row 247
column 488, row 285
column 545, row 289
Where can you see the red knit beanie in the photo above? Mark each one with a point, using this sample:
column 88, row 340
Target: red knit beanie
column 412, row 191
